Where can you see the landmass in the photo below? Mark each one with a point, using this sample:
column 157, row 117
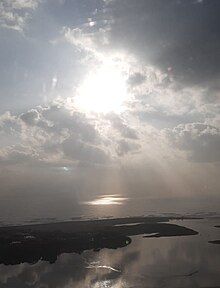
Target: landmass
column 30, row 243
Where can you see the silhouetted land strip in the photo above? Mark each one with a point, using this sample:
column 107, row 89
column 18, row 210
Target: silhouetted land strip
column 215, row 242
column 30, row 243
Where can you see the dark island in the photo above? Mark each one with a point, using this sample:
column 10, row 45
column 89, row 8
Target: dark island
column 215, row 242
column 31, row 243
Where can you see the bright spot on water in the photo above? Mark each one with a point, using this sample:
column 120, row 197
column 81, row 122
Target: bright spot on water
column 107, row 200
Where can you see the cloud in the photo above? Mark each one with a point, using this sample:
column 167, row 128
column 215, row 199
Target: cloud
column 18, row 155
column 160, row 101
column 88, row 38
column 54, row 135
column 15, row 13
column 119, row 125
column 201, row 141
column 136, row 79
column 76, row 122
column 31, row 117
column 10, row 124
column 84, row 152
column 126, row 147
column 169, row 36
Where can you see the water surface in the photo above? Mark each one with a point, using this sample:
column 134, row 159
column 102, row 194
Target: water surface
column 186, row 261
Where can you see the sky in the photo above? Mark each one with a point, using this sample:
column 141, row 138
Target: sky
column 109, row 97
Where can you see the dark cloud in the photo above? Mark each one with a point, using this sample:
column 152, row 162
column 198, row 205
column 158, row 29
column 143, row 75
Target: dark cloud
column 78, row 150
column 76, row 122
column 31, row 117
column 119, row 125
column 180, row 36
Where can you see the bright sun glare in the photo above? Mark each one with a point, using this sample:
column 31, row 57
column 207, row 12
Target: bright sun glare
column 103, row 90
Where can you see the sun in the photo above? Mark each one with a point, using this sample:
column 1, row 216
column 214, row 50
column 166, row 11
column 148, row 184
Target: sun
column 103, row 90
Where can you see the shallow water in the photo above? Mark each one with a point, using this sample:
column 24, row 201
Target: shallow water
column 187, row 261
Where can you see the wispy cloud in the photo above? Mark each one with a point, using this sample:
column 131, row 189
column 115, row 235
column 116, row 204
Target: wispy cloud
column 15, row 13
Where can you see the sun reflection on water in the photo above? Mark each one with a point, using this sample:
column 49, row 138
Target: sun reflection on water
column 107, row 200
column 110, row 284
